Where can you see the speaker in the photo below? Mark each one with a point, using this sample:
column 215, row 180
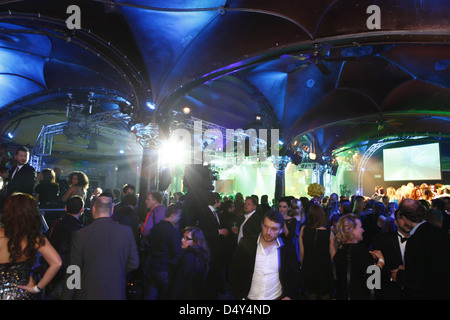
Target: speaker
column 334, row 169
column 165, row 179
column 198, row 177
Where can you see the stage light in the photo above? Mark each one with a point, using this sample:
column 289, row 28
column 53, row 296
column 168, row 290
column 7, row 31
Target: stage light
column 173, row 152
column 186, row 110
column 280, row 142
column 258, row 117
column 151, row 106
column 312, row 156
column 121, row 151
column 125, row 107
column 10, row 135
column 132, row 126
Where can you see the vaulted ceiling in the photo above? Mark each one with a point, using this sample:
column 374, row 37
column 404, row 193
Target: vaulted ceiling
column 315, row 70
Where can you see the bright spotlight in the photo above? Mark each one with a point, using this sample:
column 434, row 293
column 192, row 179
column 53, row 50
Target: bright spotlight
column 312, row 156
column 186, row 110
column 10, row 135
column 172, row 152
column 151, row 106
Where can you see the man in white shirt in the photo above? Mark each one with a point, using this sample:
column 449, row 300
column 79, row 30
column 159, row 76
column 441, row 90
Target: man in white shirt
column 263, row 267
column 252, row 222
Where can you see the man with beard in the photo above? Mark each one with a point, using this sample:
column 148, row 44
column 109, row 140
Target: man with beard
column 264, row 267
column 22, row 176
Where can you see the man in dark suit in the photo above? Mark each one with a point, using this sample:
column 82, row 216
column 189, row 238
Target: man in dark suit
column 104, row 251
column 264, row 267
column 60, row 237
column 22, row 176
column 392, row 245
column 265, row 204
column 165, row 251
column 424, row 274
column 251, row 225
column 210, row 224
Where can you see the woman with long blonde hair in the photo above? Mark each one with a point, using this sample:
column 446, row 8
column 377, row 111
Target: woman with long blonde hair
column 353, row 257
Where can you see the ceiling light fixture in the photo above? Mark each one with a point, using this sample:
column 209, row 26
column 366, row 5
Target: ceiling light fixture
column 186, row 110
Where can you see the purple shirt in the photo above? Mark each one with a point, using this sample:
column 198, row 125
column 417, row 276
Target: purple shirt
column 159, row 213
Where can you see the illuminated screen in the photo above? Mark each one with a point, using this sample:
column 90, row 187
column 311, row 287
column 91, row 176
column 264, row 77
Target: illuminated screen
column 420, row 162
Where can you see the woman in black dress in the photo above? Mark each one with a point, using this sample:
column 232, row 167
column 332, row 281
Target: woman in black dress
column 290, row 223
column 20, row 242
column 189, row 278
column 353, row 258
column 47, row 191
column 316, row 251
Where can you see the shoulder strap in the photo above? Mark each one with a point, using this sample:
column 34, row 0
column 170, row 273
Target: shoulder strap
column 349, row 271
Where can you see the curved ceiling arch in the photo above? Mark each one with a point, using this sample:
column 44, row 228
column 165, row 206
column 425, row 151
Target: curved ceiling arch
column 297, row 61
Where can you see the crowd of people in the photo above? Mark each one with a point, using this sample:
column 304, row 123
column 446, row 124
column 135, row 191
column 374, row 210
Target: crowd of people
column 232, row 247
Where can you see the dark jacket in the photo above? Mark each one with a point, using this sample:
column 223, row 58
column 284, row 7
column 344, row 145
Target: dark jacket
column 427, row 264
column 388, row 244
column 23, row 181
column 253, row 225
column 243, row 265
column 189, row 278
column 104, row 251
column 61, row 236
column 165, row 247
column 128, row 216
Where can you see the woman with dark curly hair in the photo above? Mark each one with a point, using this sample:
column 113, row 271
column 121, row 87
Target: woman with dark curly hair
column 79, row 183
column 189, row 279
column 20, row 240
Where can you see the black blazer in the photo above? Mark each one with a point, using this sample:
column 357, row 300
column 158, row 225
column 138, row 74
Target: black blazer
column 189, row 278
column 253, row 225
column 243, row 265
column 388, row 244
column 427, row 264
column 209, row 225
column 23, row 181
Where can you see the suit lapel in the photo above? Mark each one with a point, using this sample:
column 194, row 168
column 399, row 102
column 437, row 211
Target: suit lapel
column 12, row 173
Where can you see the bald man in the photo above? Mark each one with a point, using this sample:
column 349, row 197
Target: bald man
column 104, row 251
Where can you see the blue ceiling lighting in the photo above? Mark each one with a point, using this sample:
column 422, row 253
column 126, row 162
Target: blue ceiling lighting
column 302, row 66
